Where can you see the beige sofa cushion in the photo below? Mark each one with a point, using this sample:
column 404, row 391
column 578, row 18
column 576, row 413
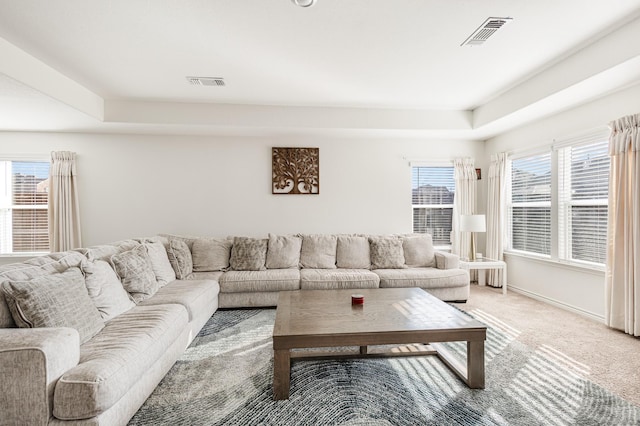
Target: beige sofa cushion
column 160, row 264
column 248, row 254
column 105, row 289
column 56, row 300
column 211, row 254
column 194, row 295
column 324, row 279
column 283, row 251
column 386, row 253
column 180, row 258
column 352, row 252
column 117, row 358
column 136, row 273
column 426, row 278
column 269, row 280
column 418, row 251
column 318, row 251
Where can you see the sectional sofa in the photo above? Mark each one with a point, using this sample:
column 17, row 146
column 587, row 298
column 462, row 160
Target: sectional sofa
column 86, row 335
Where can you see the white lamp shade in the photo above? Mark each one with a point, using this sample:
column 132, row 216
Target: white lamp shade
column 472, row 223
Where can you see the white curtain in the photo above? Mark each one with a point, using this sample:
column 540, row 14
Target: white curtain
column 64, row 212
column 464, row 202
column 622, row 288
column 496, row 200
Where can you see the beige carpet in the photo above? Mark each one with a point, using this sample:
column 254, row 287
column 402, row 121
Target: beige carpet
column 610, row 357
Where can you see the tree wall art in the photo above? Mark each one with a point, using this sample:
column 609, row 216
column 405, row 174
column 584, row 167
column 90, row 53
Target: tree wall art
column 295, row 171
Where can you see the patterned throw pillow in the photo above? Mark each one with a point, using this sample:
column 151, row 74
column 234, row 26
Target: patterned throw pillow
column 248, row 254
column 135, row 272
column 211, row 254
column 418, row 251
column 386, row 253
column 180, row 258
column 57, row 300
column 105, row 289
column 283, row 252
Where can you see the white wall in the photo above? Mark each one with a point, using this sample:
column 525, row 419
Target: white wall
column 133, row 185
column 576, row 289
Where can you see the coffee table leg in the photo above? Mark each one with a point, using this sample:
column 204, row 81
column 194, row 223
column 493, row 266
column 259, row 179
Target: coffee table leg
column 281, row 373
column 363, row 350
column 475, row 364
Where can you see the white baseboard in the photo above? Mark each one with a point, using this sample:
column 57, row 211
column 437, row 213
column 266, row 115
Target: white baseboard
column 557, row 303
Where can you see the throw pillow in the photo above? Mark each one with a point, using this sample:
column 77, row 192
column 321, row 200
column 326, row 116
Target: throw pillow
column 418, row 251
column 248, row 254
column 210, row 254
column 135, row 272
column 353, row 252
column 318, row 251
column 57, row 300
column 180, row 258
column 386, row 253
column 283, row 252
column 105, row 289
column 160, row 264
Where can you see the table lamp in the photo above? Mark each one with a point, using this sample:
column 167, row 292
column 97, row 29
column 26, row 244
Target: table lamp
column 472, row 223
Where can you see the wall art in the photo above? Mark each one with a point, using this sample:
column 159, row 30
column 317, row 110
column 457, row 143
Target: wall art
column 295, row 170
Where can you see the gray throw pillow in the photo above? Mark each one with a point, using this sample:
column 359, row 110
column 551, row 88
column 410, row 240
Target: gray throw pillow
column 418, row 251
column 386, row 253
column 353, row 252
column 283, row 251
column 248, row 254
column 180, row 258
column 318, row 251
column 57, row 300
column 211, row 254
column 135, row 272
column 105, row 289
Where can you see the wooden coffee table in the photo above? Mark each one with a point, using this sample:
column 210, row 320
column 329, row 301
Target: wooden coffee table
column 389, row 316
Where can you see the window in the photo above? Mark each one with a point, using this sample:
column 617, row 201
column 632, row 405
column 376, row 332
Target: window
column 432, row 191
column 530, row 205
column 24, row 221
column 583, row 189
column 558, row 202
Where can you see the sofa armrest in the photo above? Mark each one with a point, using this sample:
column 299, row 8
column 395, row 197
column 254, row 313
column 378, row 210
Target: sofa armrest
column 31, row 362
column 446, row 260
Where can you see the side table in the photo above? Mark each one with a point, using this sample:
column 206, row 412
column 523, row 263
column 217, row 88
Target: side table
column 482, row 265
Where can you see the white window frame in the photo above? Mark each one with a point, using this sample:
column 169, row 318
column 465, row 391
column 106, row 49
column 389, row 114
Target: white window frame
column 432, row 164
column 7, row 206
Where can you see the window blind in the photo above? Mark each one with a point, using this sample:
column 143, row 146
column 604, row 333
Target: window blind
column 583, row 175
column 530, row 206
column 24, row 214
column 432, row 195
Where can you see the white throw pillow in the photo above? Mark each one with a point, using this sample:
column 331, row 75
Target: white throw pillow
column 135, row 272
column 318, row 251
column 160, row 262
column 211, row 254
column 105, row 289
column 418, row 251
column 283, row 251
column 353, row 252
column 386, row 253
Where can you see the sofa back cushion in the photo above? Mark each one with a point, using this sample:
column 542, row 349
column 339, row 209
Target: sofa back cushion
column 248, row 254
column 418, row 251
column 353, row 252
column 318, row 251
column 105, row 289
column 135, row 272
column 386, row 253
column 211, row 254
column 283, row 251
column 55, row 300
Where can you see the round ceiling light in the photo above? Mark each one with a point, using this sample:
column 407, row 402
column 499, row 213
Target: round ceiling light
column 304, row 3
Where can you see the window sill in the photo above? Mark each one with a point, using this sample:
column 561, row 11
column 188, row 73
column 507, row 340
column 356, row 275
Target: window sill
column 576, row 266
column 25, row 254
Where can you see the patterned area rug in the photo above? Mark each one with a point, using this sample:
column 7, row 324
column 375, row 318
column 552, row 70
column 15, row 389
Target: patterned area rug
column 224, row 378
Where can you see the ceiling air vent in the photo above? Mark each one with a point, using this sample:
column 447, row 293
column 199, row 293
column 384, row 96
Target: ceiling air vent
column 486, row 30
column 206, row 81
